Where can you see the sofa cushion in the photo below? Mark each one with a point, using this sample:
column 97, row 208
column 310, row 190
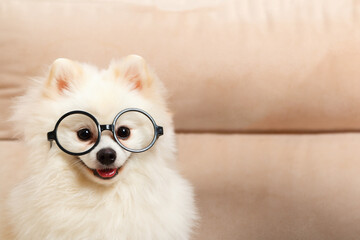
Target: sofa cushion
column 255, row 187
column 228, row 65
column 275, row 187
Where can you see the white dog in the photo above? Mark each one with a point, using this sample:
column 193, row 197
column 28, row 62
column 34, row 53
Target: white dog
column 102, row 161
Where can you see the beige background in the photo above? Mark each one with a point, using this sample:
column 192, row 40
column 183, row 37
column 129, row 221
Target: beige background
column 229, row 65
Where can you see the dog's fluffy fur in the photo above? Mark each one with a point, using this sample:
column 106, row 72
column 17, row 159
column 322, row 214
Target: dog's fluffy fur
column 62, row 199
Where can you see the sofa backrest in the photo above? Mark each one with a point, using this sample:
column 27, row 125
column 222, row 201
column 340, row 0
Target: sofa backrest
column 229, row 66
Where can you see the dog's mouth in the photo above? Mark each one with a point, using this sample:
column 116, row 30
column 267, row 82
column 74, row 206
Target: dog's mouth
column 107, row 173
column 103, row 173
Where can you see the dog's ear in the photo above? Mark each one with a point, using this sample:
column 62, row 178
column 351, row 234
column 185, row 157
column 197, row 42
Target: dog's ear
column 62, row 72
column 135, row 71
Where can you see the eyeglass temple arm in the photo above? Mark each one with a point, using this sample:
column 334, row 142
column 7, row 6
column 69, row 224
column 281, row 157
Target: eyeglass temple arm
column 159, row 130
column 51, row 137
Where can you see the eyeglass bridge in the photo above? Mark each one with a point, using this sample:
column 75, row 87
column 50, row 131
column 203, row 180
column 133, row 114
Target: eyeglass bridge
column 108, row 127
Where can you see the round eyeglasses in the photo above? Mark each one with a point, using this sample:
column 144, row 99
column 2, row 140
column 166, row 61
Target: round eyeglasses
column 78, row 132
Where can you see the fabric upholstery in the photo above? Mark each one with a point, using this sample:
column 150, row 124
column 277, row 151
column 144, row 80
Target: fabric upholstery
column 228, row 65
column 258, row 187
column 274, row 186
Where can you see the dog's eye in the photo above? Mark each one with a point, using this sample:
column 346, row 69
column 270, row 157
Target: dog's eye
column 123, row 132
column 84, row 134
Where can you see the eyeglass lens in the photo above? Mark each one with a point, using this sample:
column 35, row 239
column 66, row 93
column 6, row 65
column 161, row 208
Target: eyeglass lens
column 77, row 133
column 134, row 130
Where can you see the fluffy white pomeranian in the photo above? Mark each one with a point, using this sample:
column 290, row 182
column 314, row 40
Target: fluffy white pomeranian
column 102, row 157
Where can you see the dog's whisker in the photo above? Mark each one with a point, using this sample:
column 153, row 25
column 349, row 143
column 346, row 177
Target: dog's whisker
column 76, row 162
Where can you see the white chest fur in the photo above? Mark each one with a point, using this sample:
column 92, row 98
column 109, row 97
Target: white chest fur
column 140, row 208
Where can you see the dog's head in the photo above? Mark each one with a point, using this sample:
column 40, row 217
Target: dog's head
column 113, row 115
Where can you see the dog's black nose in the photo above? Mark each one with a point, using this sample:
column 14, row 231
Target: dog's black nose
column 106, row 156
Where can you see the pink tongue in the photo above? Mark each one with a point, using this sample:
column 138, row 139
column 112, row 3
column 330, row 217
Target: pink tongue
column 106, row 173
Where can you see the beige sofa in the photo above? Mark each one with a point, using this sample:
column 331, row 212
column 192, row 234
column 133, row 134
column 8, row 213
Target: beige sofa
column 265, row 95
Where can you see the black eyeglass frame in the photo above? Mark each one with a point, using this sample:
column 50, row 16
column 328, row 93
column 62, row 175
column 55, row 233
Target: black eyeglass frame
column 158, row 130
